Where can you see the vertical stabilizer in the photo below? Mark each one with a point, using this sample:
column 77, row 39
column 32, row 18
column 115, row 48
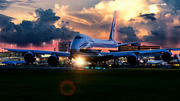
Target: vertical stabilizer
column 111, row 37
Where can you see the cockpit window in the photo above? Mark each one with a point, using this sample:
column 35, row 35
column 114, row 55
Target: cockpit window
column 78, row 37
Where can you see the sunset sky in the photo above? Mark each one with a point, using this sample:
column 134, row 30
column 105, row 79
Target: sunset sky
column 36, row 21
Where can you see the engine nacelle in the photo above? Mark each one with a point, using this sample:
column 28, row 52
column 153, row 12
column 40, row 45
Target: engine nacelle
column 53, row 60
column 167, row 56
column 29, row 57
column 132, row 59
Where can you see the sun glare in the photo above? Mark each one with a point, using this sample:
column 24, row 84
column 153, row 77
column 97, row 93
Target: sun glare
column 153, row 9
column 79, row 61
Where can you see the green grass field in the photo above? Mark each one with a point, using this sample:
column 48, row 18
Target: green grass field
column 91, row 85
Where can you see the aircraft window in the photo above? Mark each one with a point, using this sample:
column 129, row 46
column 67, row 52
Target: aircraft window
column 83, row 45
column 78, row 37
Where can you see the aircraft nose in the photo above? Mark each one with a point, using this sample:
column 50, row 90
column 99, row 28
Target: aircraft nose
column 74, row 51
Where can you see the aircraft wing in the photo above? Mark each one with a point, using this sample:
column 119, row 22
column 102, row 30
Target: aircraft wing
column 129, row 43
column 12, row 62
column 122, row 54
column 64, row 54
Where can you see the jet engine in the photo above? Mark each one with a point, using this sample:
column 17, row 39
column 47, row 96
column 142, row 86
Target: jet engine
column 132, row 59
column 167, row 56
column 53, row 60
column 29, row 57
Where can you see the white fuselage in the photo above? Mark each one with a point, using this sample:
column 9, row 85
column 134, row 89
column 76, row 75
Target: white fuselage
column 84, row 42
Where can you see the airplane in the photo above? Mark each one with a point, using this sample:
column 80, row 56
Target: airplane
column 86, row 48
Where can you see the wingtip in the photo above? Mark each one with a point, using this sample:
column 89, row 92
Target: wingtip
column 4, row 48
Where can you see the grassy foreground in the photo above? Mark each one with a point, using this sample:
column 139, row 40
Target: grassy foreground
column 90, row 85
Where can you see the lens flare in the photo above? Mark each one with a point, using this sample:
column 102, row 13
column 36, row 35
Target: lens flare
column 67, row 85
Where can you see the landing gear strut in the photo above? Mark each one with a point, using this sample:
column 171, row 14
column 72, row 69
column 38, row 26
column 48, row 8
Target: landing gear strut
column 103, row 64
column 92, row 65
column 115, row 64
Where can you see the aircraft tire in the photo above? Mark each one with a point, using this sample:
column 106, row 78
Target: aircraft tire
column 112, row 66
column 89, row 66
column 93, row 66
column 106, row 66
column 116, row 66
column 101, row 66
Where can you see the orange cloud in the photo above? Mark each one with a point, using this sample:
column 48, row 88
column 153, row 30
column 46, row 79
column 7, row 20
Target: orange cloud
column 126, row 10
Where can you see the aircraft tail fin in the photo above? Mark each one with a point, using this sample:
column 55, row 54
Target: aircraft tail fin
column 111, row 37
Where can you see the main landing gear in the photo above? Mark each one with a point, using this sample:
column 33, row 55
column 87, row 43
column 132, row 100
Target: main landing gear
column 101, row 63
column 104, row 65
column 92, row 65
column 115, row 64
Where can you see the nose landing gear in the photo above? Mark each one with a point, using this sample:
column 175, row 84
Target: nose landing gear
column 115, row 64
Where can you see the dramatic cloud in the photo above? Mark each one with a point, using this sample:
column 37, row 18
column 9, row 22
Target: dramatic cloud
column 155, row 21
column 98, row 19
column 36, row 32
column 173, row 3
column 27, row 3
column 3, row 17
column 63, row 24
column 4, row 4
column 127, row 34
column 148, row 16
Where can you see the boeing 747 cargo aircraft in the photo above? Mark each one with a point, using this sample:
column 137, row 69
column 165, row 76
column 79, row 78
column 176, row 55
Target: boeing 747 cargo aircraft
column 86, row 48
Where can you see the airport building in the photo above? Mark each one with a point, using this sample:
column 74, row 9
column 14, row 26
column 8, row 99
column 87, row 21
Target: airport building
column 64, row 46
column 134, row 47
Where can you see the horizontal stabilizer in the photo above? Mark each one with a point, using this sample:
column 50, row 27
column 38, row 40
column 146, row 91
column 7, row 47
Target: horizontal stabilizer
column 129, row 43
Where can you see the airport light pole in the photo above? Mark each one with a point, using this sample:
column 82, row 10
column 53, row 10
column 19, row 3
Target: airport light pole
column 11, row 46
column 58, row 44
column 31, row 45
column 53, row 44
column 15, row 46
column 44, row 43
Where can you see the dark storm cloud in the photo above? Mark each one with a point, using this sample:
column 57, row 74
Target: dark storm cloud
column 164, row 30
column 64, row 24
column 5, row 17
column 28, row 3
column 4, row 4
column 157, row 35
column 173, row 3
column 46, row 17
column 130, row 32
column 41, row 30
column 163, row 37
column 177, row 27
column 148, row 16
column 4, row 20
